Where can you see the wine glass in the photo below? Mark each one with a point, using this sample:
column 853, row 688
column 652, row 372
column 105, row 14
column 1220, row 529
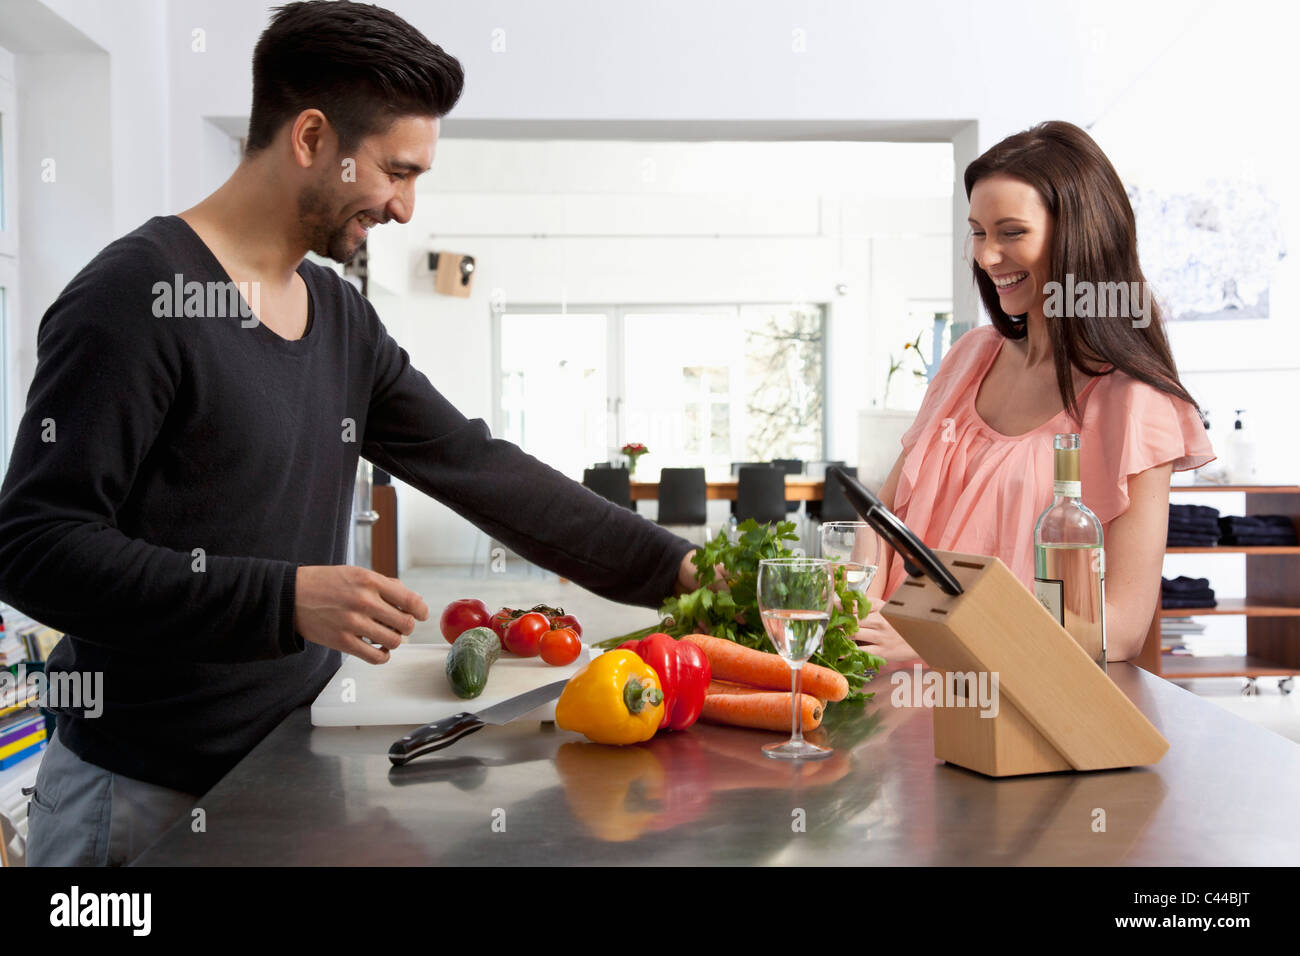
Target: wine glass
column 794, row 598
column 854, row 546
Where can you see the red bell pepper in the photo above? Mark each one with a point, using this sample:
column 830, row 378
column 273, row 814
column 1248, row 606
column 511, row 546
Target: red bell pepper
column 683, row 671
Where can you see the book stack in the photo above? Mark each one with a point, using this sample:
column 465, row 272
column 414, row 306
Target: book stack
column 22, row 725
column 22, row 639
column 21, row 736
column 1177, row 633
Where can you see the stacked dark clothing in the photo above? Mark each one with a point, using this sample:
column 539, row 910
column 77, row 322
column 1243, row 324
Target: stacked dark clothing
column 1193, row 526
column 1253, row 530
column 1183, row 591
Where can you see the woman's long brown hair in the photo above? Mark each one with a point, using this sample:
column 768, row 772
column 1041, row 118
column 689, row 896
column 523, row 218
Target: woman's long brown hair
column 1095, row 240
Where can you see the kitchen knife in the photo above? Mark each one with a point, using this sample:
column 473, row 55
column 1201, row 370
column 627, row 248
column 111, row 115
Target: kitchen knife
column 445, row 732
column 917, row 558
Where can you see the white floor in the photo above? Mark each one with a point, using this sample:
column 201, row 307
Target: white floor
column 518, row 584
column 1270, row 708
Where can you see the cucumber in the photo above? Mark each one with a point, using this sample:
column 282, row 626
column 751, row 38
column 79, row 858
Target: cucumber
column 471, row 657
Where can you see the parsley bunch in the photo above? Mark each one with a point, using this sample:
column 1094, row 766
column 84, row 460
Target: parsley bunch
column 732, row 611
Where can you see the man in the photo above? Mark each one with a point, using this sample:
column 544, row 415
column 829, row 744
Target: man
column 182, row 478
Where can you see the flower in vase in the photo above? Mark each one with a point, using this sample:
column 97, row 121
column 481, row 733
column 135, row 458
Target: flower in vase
column 633, row 451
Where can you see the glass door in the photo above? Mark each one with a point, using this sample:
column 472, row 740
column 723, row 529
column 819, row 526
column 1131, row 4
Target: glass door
column 553, row 396
column 684, row 381
column 697, row 385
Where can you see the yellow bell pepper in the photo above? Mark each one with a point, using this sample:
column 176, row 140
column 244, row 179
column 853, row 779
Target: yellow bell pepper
column 616, row 699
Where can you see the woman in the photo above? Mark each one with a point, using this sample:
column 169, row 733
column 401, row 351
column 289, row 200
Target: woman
column 1046, row 206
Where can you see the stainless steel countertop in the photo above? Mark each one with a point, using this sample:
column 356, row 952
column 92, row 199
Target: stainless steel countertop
column 1227, row 793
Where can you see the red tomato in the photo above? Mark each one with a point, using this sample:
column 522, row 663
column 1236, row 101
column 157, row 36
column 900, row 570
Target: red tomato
column 569, row 621
column 500, row 621
column 560, row 646
column 524, row 635
column 459, row 616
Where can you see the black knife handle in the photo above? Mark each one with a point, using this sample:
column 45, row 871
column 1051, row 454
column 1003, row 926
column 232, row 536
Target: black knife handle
column 917, row 558
column 434, row 736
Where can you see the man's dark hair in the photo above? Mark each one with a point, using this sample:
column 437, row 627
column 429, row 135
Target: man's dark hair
column 359, row 64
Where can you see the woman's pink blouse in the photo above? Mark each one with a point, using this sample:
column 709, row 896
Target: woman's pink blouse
column 965, row 487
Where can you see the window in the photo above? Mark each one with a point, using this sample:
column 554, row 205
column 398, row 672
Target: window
column 552, row 392
column 698, row 386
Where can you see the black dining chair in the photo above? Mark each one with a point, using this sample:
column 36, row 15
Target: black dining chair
column 791, row 466
column 683, row 496
column 613, row 484
column 834, row 505
column 735, row 473
column 817, row 469
column 760, row 494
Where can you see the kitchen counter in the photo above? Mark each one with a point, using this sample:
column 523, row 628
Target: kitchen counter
column 1226, row 794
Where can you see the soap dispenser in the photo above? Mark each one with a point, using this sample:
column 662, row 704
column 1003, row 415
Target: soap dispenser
column 1241, row 453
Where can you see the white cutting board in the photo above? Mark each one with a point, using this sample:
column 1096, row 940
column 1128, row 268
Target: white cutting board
column 412, row 688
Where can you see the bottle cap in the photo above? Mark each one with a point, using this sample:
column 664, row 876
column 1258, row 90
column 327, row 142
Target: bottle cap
column 1066, row 457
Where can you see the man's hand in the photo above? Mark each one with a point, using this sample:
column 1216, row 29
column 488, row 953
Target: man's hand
column 337, row 605
column 688, row 578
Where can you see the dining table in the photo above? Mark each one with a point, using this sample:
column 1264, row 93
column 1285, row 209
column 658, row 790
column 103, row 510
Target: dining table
column 797, row 488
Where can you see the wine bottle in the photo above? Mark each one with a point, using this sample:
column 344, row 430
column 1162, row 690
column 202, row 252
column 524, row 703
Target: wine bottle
column 1070, row 556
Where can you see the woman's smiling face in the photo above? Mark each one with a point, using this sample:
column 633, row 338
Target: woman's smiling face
column 1011, row 232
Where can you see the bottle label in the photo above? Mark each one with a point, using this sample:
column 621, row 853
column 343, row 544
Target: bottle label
column 1067, row 489
column 1051, row 595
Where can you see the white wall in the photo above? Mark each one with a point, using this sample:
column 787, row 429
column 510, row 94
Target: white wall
column 62, row 106
column 131, row 33
column 91, row 81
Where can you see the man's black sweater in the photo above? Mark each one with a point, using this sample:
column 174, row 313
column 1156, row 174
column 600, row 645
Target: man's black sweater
column 172, row 470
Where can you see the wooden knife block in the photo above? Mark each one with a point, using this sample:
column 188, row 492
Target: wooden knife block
column 1057, row 710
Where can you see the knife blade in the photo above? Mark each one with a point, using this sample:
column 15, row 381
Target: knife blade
column 445, row 732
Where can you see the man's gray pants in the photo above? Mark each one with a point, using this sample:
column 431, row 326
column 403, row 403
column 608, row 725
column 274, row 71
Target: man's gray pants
column 83, row 815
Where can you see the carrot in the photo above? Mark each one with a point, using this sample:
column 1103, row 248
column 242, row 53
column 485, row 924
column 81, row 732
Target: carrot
column 762, row 710
column 735, row 662
column 729, row 687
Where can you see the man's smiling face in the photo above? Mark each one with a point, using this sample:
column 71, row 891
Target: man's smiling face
column 346, row 198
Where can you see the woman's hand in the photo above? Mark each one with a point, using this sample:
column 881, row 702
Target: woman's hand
column 878, row 636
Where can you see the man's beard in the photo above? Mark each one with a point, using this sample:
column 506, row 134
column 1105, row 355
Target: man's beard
column 323, row 237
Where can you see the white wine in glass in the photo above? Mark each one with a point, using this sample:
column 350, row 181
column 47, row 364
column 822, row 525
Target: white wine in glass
column 854, row 546
column 795, row 597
